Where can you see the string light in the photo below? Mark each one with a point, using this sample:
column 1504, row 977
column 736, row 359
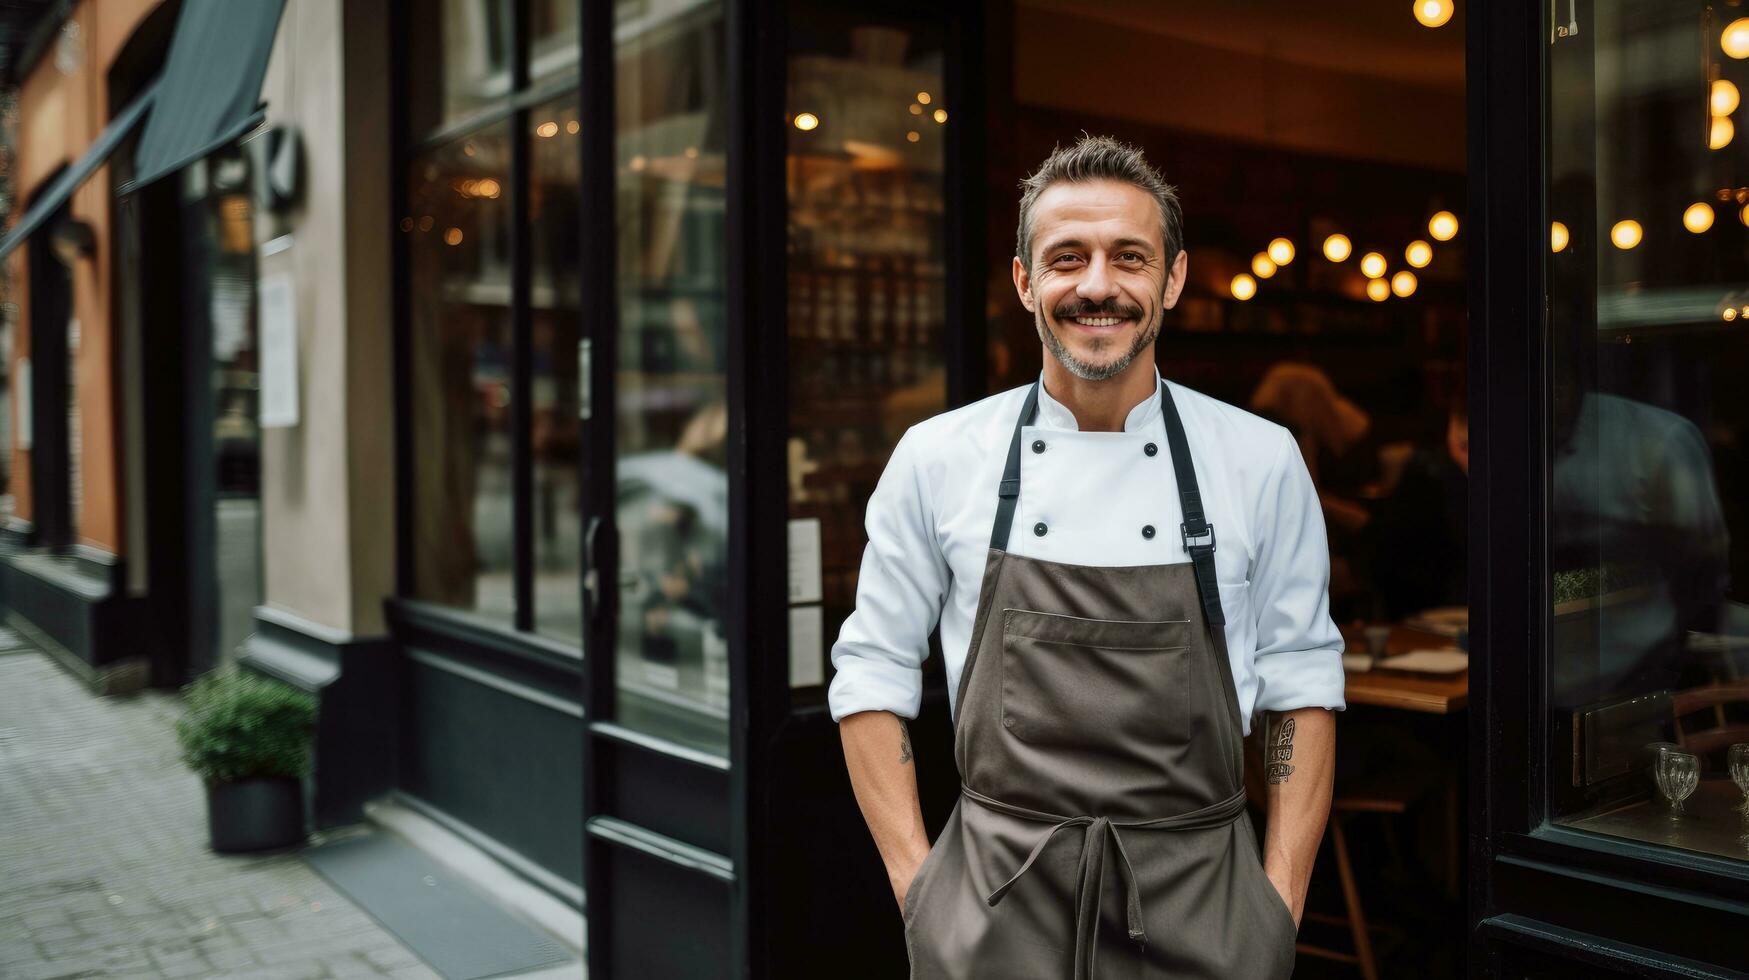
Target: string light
column 1337, row 248
column 1734, row 39
column 1372, row 265
column 1262, row 265
column 1698, row 217
column 1557, row 237
column 1403, row 283
column 1720, row 132
column 1418, row 254
column 1625, row 234
column 1378, row 290
column 923, row 97
column 806, row 121
column 1443, row 226
column 1433, row 13
column 940, row 115
column 1724, row 97
column 1281, row 251
column 1244, row 287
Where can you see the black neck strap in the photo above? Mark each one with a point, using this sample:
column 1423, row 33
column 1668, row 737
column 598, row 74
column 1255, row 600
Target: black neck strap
column 1197, row 534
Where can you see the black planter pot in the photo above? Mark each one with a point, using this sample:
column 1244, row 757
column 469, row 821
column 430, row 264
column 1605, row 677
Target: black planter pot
column 255, row 814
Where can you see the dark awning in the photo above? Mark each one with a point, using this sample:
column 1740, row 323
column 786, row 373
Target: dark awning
column 210, row 91
column 63, row 186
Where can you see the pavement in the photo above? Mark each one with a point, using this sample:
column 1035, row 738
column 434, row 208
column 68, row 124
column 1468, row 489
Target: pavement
column 104, row 864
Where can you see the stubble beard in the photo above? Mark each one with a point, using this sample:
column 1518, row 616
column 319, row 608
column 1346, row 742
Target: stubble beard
column 1095, row 372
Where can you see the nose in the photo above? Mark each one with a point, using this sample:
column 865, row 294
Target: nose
column 1097, row 284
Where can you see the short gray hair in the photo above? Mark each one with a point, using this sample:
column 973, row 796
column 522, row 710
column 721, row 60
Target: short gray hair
column 1100, row 158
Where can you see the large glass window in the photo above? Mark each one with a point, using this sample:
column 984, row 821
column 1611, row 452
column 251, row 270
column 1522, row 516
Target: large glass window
column 459, row 226
column 492, row 232
column 671, row 420
column 868, row 122
column 556, row 174
column 1648, row 440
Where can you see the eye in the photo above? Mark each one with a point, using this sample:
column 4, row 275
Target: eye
column 1130, row 257
column 1066, row 257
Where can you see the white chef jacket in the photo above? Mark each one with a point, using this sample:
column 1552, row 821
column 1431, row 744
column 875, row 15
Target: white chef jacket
column 929, row 523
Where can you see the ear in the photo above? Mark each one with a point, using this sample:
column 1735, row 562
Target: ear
column 1175, row 280
column 1023, row 285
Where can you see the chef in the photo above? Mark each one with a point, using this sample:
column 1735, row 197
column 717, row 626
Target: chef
column 1127, row 576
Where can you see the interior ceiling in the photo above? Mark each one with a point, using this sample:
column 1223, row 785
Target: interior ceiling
column 1371, row 38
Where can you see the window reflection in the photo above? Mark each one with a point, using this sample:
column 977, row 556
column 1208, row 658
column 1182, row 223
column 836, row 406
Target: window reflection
column 458, row 226
column 867, row 303
column 555, row 177
column 458, row 59
column 1649, row 633
column 552, row 27
column 670, row 417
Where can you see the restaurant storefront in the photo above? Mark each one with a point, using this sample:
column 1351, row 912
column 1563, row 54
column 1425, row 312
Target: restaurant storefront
column 672, row 279
column 606, row 317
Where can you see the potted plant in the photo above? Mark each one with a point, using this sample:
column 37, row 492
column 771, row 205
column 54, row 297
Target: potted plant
column 248, row 738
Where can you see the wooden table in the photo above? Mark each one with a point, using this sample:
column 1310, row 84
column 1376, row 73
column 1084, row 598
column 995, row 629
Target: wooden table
column 1438, row 694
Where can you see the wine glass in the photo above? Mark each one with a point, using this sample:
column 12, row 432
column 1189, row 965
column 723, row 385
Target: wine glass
column 1739, row 759
column 1678, row 774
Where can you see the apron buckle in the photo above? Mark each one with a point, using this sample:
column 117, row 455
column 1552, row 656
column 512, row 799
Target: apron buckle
column 1186, row 532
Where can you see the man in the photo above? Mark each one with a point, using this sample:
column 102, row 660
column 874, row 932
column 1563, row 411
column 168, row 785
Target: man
column 1105, row 652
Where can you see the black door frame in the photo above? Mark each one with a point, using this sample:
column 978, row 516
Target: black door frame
column 1543, row 897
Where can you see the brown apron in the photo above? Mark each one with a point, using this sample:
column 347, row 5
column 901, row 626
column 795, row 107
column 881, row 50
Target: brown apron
column 1101, row 830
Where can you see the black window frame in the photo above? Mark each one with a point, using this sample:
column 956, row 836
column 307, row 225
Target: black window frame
column 515, row 107
column 1539, row 891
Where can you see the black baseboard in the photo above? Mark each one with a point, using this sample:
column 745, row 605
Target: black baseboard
column 76, row 604
column 356, row 683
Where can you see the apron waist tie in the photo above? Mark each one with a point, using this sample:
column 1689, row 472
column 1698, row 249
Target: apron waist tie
column 1090, row 872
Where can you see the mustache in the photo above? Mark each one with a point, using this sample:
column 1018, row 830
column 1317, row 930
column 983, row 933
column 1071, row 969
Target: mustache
column 1110, row 307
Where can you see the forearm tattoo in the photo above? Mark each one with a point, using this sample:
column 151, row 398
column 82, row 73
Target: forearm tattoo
column 904, row 744
column 1279, row 753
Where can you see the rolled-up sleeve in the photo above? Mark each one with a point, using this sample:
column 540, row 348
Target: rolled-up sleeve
column 878, row 657
column 1298, row 660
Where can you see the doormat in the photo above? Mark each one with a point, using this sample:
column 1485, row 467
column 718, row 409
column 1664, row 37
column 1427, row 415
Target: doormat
column 440, row 917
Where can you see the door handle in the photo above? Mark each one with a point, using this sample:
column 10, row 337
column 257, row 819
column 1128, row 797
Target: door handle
column 599, row 571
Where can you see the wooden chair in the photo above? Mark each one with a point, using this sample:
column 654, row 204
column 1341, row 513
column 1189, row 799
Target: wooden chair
column 1713, row 699
column 1348, row 802
column 1381, row 800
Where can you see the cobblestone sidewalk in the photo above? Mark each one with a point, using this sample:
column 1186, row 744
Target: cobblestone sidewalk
column 104, row 868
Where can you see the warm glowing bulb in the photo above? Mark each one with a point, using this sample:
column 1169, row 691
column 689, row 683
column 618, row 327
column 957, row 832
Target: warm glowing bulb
column 1372, row 265
column 1244, row 287
column 923, row 97
column 1378, row 290
column 940, row 115
column 1403, row 283
column 1698, row 217
column 1743, row 215
column 453, row 236
column 1281, row 251
column 806, row 121
column 1625, row 234
column 916, row 110
column 1729, row 313
column 1433, row 13
column 1263, row 265
column 1735, row 38
column 1720, row 133
column 1724, row 98
column 1337, row 248
column 1419, row 253
column 547, row 130
column 1557, row 237
column 913, row 136
column 1443, row 226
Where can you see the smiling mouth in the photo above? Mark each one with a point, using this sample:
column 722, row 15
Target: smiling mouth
column 1099, row 321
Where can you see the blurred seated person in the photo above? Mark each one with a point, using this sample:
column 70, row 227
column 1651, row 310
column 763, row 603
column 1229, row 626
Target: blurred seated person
column 1337, row 440
column 1420, row 531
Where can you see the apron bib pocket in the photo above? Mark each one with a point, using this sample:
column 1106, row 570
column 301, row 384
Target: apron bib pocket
column 1058, row 672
